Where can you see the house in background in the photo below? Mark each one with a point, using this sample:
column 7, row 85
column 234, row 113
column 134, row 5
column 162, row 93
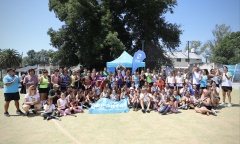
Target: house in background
column 180, row 59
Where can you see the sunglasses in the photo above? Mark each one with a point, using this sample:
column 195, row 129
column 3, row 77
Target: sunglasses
column 33, row 89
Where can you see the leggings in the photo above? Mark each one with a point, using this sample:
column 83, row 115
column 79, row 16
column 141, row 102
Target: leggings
column 65, row 111
column 165, row 109
column 79, row 109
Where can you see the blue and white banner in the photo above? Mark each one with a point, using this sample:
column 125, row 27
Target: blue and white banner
column 107, row 106
column 138, row 57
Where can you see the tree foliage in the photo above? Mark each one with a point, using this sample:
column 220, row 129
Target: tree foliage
column 41, row 57
column 197, row 45
column 210, row 46
column 97, row 31
column 9, row 58
column 228, row 49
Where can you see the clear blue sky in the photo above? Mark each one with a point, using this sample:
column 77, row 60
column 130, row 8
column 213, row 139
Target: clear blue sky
column 24, row 24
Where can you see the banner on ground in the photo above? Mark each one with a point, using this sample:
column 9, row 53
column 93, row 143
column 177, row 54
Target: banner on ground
column 138, row 57
column 107, row 106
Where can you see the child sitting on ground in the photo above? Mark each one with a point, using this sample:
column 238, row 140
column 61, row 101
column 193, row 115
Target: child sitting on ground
column 49, row 110
column 75, row 107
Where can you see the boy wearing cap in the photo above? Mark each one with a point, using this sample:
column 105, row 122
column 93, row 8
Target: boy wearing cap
column 11, row 92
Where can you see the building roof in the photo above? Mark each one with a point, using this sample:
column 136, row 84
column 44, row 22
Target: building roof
column 25, row 69
column 183, row 55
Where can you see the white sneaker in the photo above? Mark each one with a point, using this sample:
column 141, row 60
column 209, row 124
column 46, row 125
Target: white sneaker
column 229, row 105
column 223, row 104
column 213, row 112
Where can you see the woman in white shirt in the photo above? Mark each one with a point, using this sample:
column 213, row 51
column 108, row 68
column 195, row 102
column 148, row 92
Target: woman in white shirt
column 179, row 81
column 170, row 80
column 226, row 86
column 32, row 101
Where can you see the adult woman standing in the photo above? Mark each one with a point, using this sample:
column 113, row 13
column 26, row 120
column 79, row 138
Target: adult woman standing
column 179, row 81
column 142, row 79
column 73, row 78
column 203, row 80
column 127, row 79
column 135, row 79
column 78, row 81
column 30, row 79
column 94, row 79
column 65, row 81
column 226, row 86
column 43, row 87
column 154, row 76
column 55, row 78
column 170, row 80
column 32, row 100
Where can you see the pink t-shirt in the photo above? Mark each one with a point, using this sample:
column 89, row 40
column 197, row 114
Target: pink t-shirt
column 28, row 79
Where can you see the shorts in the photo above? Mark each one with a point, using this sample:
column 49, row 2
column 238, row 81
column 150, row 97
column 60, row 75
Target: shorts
column 202, row 87
column 43, row 90
column 198, row 86
column 180, row 87
column 11, row 96
column 209, row 107
column 31, row 106
column 171, row 87
column 227, row 88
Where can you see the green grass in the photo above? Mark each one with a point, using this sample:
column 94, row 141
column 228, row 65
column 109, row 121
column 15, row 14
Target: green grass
column 187, row 127
column 1, row 83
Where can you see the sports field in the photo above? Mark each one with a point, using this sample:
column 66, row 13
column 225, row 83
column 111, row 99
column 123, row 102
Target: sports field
column 186, row 127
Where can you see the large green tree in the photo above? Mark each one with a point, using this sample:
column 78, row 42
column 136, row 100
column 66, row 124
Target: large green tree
column 97, row 31
column 228, row 50
column 219, row 32
column 9, row 58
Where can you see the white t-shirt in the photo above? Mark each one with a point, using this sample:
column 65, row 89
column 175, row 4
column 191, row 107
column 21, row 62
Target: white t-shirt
column 52, row 107
column 196, row 76
column 170, row 80
column 145, row 96
column 179, row 81
column 225, row 81
column 33, row 98
column 215, row 79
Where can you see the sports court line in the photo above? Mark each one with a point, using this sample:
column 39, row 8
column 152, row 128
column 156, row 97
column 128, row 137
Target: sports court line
column 64, row 131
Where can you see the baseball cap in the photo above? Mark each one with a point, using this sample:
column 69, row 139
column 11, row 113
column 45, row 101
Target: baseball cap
column 10, row 69
column 55, row 85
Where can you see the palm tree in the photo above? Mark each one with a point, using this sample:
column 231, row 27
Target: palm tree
column 9, row 58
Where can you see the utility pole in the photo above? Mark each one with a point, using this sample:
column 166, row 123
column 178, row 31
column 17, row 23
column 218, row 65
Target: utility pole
column 188, row 52
column 22, row 60
column 143, row 50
